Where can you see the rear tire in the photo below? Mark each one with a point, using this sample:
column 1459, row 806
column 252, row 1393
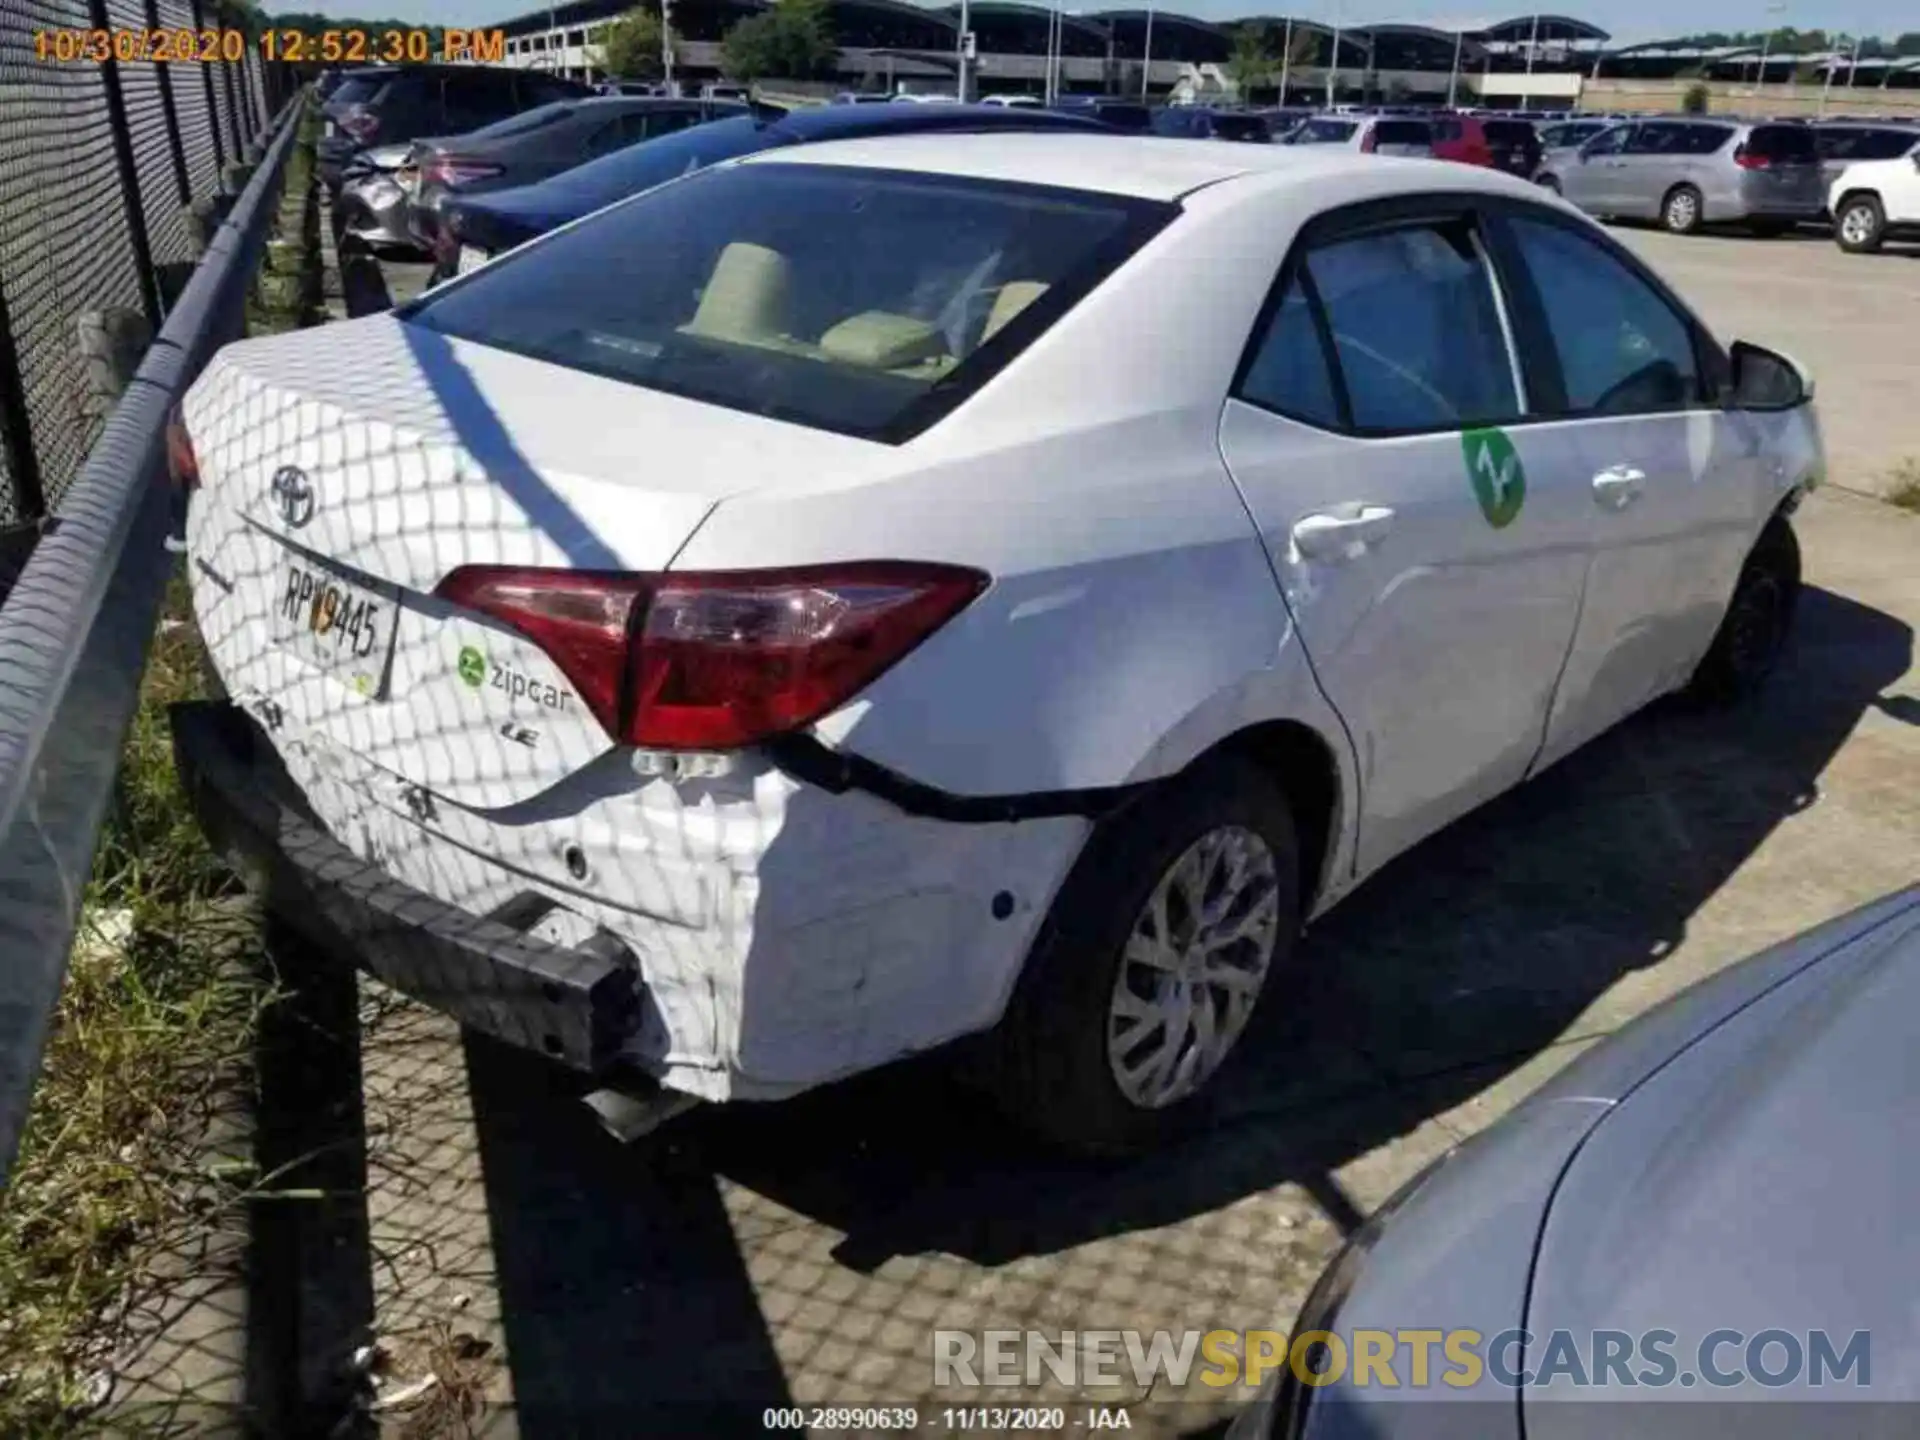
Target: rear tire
column 1124, row 958
column 1860, row 225
column 1753, row 633
column 1681, row 210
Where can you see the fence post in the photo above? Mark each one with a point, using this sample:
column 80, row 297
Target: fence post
column 213, row 110
column 16, row 426
column 176, row 151
column 129, row 176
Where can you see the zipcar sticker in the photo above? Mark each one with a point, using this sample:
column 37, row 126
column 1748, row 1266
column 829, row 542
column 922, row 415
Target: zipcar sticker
column 472, row 666
column 1494, row 470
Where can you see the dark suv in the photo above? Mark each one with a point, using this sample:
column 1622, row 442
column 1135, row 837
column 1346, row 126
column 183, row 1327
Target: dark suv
column 390, row 103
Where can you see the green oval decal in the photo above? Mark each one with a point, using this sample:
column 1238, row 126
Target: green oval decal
column 472, row 666
column 1493, row 468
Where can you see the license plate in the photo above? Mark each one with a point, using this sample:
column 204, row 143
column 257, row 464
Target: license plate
column 343, row 628
column 471, row 258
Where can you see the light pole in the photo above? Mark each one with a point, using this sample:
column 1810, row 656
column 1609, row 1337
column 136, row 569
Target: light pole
column 1286, row 59
column 1453, row 75
column 1146, row 55
column 960, row 55
column 1333, row 70
column 1766, row 43
column 1533, row 44
column 666, row 42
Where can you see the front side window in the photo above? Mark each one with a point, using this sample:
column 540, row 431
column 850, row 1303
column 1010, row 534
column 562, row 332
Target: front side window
column 1324, row 132
column 1416, row 328
column 837, row 298
column 1610, row 142
column 1622, row 348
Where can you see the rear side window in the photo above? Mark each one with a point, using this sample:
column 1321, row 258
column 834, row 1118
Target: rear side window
column 1413, row 330
column 1509, row 132
column 1703, row 139
column 1288, row 369
column 1446, row 130
column 1403, row 132
column 1324, row 132
column 1622, row 348
column 866, row 302
column 523, row 124
column 1782, row 142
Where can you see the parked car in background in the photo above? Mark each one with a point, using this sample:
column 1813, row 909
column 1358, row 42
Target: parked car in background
column 1371, row 134
column 1843, row 142
column 1687, row 172
column 541, row 143
column 786, row 621
column 1641, row 1195
column 862, row 97
column 1131, row 115
column 1201, row 122
column 473, row 230
column 372, row 204
column 725, row 90
column 1560, row 144
column 1875, row 201
column 1461, row 139
column 390, row 103
column 1513, row 146
column 643, row 89
column 1016, row 101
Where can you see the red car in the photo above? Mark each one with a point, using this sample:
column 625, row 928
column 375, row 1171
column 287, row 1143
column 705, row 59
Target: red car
column 1461, row 138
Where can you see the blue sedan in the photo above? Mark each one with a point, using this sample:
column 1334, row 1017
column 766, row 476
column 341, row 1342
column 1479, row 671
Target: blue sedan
column 473, row 230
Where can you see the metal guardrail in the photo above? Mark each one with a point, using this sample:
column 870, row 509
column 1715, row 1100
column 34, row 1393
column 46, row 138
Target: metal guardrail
column 74, row 633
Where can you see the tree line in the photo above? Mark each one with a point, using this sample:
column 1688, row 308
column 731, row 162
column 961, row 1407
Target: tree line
column 1789, row 41
column 793, row 40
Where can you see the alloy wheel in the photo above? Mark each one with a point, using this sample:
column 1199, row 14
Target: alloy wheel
column 1193, row 966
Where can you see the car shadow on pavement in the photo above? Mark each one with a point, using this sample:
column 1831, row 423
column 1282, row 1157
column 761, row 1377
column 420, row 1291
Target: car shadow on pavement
column 689, row 1276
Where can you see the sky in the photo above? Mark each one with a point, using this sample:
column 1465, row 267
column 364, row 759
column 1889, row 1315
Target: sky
column 1628, row 21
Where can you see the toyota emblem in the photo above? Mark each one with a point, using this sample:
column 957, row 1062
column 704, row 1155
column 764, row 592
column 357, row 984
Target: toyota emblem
column 292, row 495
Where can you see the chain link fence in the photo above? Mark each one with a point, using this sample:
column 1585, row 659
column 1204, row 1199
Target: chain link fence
column 99, row 160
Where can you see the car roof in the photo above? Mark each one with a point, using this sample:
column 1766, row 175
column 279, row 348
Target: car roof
column 1143, row 167
column 820, row 122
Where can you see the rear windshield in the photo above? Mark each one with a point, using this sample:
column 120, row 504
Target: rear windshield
column 1782, row 142
column 1240, row 127
column 866, row 302
column 1324, row 132
column 523, row 123
column 358, row 89
column 1402, row 132
column 1508, row 132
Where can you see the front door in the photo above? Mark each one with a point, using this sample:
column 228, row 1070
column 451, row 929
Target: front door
column 1671, row 477
column 1430, row 551
column 1593, row 180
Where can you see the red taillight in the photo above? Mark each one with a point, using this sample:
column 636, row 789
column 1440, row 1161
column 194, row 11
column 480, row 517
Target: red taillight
column 182, row 464
column 723, row 659
column 454, row 171
column 1748, row 160
column 361, row 125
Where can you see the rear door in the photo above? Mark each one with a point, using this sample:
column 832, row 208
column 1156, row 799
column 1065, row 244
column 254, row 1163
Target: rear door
column 1592, row 179
column 1669, row 478
column 1653, row 162
column 1430, row 548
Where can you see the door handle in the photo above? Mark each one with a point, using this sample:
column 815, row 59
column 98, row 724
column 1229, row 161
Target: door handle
column 1618, row 486
column 1341, row 534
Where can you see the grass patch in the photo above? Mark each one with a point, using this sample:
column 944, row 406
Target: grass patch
column 1903, row 485
column 152, row 1036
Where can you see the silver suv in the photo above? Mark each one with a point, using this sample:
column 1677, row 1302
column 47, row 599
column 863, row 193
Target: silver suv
column 1690, row 172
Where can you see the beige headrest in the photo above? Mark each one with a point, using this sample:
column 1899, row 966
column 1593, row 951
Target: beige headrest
column 746, row 298
column 1014, row 297
column 882, row 340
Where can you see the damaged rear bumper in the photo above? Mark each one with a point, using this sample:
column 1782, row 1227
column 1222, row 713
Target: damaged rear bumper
column 578, row 1006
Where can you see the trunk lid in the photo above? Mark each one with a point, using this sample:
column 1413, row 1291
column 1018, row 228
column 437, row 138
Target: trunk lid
column 371, row 459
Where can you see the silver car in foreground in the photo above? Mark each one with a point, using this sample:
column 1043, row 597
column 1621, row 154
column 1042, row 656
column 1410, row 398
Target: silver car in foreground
column 1690, row 172
column 1714, row 1205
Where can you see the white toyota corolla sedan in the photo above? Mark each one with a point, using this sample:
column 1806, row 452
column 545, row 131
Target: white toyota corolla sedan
column 879, row 592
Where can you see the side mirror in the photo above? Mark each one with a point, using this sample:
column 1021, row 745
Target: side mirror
column 1766, row 380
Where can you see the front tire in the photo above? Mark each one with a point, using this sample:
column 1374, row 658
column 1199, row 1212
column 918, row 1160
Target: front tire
column 1753, row 633
column 1147, row 971
column 1681, row 211
column 1861, row 226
